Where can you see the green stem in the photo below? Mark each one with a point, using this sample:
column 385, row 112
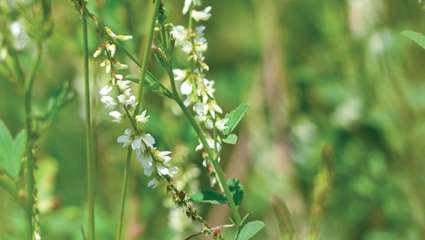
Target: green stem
column 146, row 55
column 124, row 193
column 144, row 67
column 89, row 136
column 217, row 167
column 31, row 141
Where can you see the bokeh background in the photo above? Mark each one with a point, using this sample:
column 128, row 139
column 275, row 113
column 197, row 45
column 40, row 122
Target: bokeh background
column 334, row 141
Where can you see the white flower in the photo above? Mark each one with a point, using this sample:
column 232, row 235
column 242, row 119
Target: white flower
column 116, row 116
column 179, row 33
column 111, row 48
column 165, row 156
column 143, row 117
column 186, row 6
column 108, row 101
column 201, row 44
column 123, row 84
column 37, row 236
column 125, row 139
column 124, row 37
column 203, row 15
column 186, row 88
column 163, row 170
column 121, row 65
column 107, row 65
column 105, row 90
column 221, row 124
column 187, row 46
column 148, row 140
column 179, row 74
column 116, row 36
column 153, row 183
column 127, row 98
column 97, row 52
column 201, row 109
column 138, row 145
column 119, row 77
column 147, row 162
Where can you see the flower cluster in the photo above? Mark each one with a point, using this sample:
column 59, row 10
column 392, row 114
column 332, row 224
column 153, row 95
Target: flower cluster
column 117, row 96
column 198, row 91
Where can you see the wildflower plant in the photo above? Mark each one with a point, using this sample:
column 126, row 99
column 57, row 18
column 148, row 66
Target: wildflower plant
column 122, row 97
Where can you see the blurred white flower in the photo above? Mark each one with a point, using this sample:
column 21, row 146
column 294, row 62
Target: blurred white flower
column 203, row 15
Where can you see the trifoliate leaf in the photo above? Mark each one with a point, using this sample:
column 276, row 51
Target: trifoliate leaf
column 209, row 196
column 235, row 117
column 236, row 189
column 249, row 230
column 231, row 139
column 418, row 38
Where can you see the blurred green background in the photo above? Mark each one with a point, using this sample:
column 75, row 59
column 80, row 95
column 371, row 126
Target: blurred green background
column 333, row 143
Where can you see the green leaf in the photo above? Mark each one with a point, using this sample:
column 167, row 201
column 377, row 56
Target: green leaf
column 249, row 230
column 11, row 151
column 18, row 150
column 418, row 38
column 236, row 189
column 6, row 142
column 209, row 196
column 231, row 139
column 235, row 117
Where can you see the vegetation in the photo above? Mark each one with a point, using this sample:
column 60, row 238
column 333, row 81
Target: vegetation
column 199, row 119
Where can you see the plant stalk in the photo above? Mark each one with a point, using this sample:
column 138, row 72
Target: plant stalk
column 89, row 136
column 31, row 142
column 217, row 167
column 146, row 55
column 124, row 193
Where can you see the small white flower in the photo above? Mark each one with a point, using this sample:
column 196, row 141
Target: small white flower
column 153, row 183
column 105, row 90
column 186, row 6
column 124, row 37
column 97, row 52
column 179, row 74
column 143, row 117
column 123, row 84
column 111, row 48
column 116, row 36
column 165, row 156
column 179, row 33
column 107, row 65
column 121, row 65
column 186, row 88
column 108, row 101
column 201, row 109
column 125, row 139
column 203, row 15
column 119, row 77
column 186, row 47
column 221, row 124
column 116, row 116
column 163, row 170
column 138, row 145
column 148, row 140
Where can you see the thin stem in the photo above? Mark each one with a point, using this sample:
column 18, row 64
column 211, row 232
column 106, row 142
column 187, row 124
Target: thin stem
column 89, row 136
column 146, row 55
column 31, row 140
column 217, row 167
column 124, row 193
column 144, row 66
